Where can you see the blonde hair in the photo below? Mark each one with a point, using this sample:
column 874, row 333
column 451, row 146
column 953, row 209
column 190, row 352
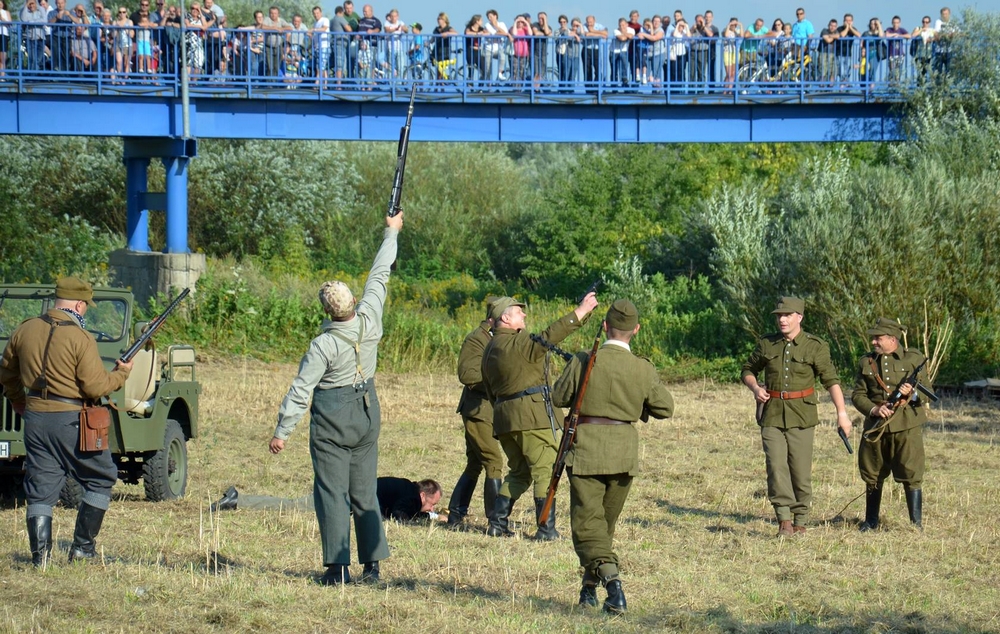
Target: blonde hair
column 444, row 16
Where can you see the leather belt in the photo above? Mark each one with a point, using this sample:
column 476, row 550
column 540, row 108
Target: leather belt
column 52, row 397
column 600, row 420
column 784, row 396
column 513, row 397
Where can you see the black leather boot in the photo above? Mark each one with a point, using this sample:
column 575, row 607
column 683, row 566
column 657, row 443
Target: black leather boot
column 370, row 574
column 873, row 503
column 915, row 505
column 40, row 539
column 491, row 489
column 335, row 575
column 461, row 497
column 88, row 525
column 499, row 523
column 546, row 532
column 615, row 603
column 228, row 501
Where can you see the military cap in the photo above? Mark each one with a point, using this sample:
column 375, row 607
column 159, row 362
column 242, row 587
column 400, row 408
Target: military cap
column 75, row 288
column 622, row 315
column 500, row 305
column 490, row 300
column 886, row 326
column 337, row 299
column 788, row 305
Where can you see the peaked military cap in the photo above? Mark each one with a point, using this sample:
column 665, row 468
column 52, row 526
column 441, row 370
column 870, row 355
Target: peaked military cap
column 886, row 326
column 501, row 304
column 490, row 300
column 622, row 315
column 75, row 288
column 788, row 305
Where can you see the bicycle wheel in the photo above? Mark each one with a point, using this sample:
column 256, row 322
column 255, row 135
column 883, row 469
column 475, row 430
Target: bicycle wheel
column 416, row 72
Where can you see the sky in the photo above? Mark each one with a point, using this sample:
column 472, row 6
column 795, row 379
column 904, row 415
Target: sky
column 607, row 13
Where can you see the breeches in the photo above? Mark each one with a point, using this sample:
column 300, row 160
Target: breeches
column 900, row 453
column 482, row 451
column 595, row 502
column 530, row 455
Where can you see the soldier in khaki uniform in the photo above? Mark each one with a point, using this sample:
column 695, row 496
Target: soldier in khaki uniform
column 899, row 446
column 604, row 458
column 513, row 374
column 481, row 449
column 50, row 367
column 792, row 360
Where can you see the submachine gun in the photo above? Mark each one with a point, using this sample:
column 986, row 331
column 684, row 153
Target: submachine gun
column 153, row 326
column 897, row 400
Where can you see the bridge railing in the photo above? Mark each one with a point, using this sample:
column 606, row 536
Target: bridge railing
column 252, row 63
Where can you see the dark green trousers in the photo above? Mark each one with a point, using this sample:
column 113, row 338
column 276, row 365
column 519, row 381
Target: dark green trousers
column 530, row 455
column 900, row 453
column 788, row 453
column 344, row 448
column 482, row 451
column 595, row 502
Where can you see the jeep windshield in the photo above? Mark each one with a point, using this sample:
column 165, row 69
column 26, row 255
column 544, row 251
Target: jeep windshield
column 106, row 321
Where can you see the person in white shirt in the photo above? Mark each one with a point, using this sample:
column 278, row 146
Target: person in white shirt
column 496, row 45
column 395, row 54
column 321, row 44
column 619, row 52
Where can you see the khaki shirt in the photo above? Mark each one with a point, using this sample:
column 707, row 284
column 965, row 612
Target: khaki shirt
column 474, row 403
column 74, row 368
column 893, row 368
column 512, row 362
column 623, row 387
column 330, row 361
column 791, row 366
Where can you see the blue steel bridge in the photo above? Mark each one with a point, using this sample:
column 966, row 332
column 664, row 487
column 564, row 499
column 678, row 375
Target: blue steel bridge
column 249, row 84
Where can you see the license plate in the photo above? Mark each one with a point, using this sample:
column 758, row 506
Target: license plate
column 4, row 449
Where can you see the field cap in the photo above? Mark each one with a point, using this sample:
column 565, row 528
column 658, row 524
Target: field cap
column 787, row 305
column 622, row 315
column 501, row 304
column 490, row 300
column 886, row 326
column 75, row 288
column 337, row 299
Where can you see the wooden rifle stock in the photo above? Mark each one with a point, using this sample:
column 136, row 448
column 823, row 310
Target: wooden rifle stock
column 153, row 327
column 569, row 432
column 401, row 149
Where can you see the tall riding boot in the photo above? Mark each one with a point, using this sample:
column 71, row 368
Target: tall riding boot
column 546, row 532
column 491, row 489
column 499, row 523
column 88, row 525
column 915, row 505
column 40, row 538
column 873, row 503
column 458, row 506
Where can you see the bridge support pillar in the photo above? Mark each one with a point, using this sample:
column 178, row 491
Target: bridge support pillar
column 149, row 274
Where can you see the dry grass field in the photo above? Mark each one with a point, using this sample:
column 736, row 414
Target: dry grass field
column 696, row 537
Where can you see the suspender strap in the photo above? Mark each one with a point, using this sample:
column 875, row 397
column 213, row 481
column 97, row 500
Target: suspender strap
column 359, row 376
column 41, row 384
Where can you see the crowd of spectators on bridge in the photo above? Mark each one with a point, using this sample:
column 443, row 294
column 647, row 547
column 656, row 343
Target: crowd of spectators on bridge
column 353, row 49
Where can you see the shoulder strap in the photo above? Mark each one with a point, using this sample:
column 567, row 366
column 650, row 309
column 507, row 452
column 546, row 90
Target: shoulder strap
column 878, row 378
column 42, row 383
column 359, row 376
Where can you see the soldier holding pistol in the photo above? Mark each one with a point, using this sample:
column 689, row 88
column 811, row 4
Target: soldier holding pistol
column 893, row 439
column 513, row 374
column 791, row 360
column 604, row 458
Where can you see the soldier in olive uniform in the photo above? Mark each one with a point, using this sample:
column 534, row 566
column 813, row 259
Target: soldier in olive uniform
column 792, row 360
column 894, row 439
column 337, row 373
column 56, row 361
column 604, row 458
column 513, row 374
column 482, row 450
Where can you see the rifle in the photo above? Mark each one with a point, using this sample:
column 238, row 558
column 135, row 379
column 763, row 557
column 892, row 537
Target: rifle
column 152, row 328
column 401, row 149
column 569, row 431
column 567, row 356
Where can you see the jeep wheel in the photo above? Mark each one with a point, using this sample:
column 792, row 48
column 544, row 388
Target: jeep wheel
column 72, row 494
column 164, row 476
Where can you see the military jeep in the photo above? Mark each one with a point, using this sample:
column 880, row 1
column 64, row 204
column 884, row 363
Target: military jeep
column 153, row 415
